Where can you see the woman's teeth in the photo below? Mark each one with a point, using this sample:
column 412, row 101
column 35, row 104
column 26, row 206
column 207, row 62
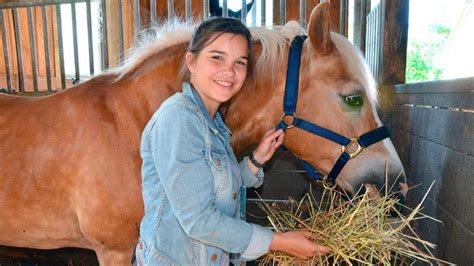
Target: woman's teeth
column 223, row 83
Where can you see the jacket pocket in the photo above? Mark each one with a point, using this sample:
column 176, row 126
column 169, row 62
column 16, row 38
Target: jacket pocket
column 218, row 163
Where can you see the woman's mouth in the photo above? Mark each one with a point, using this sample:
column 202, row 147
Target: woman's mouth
column 223, row 83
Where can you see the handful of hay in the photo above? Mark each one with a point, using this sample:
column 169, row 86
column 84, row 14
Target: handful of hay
column 356, row 230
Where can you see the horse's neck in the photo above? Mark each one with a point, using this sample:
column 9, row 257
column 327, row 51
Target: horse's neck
column 255, row 109
column 153, row 81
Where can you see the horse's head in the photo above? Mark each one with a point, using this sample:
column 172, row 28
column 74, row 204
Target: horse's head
column 337, row 92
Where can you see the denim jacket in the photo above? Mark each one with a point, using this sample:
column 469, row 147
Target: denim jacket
column 190, row 184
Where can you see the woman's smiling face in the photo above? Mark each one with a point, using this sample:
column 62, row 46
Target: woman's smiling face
column 220, row 69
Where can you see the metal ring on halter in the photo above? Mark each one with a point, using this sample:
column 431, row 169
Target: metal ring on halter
column 288, row 126
column 358, row 150
column 328, row 182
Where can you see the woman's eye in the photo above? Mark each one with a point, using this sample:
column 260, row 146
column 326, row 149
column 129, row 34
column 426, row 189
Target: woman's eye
column 217, row 57
column 243, row 63
column 354, row 101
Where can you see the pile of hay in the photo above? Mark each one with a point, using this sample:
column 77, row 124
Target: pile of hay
column 356, row 230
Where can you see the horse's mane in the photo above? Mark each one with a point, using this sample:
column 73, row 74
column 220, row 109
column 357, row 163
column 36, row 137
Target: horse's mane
column 155, row 39
column 274, row 42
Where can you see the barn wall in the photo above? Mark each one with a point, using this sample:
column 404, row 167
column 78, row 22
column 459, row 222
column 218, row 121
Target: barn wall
column 22, row 42
column 432, row 126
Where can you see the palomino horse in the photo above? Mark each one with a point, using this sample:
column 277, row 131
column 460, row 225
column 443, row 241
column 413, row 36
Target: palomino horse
column 70, row 162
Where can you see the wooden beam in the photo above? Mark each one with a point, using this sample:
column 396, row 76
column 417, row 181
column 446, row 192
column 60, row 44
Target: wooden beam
column 27, row 3
column 292, row 8
column 394, row 41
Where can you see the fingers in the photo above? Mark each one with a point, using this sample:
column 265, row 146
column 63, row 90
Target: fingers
column 279, row 141
column 268, row 145
column 312, row 249
column 299, row 244
column 273, row 134
column 321, row 250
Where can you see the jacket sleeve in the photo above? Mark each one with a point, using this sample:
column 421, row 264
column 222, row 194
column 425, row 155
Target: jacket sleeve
column 178, row 149
column 250, row 180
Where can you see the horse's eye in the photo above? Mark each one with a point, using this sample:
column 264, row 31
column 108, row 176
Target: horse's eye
column 354, row 101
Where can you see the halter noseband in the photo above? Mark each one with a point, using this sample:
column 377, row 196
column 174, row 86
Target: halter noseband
column 350, row 147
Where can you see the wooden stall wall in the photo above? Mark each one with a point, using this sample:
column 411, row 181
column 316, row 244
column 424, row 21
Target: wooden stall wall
column 23, row 34
column 432, row 126
column 118, row 35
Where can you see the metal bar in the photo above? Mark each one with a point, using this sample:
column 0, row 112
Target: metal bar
column 19, row 52
column 153, row 20
column 365, row 9
column 303, row 13
column 187, row 9
column 46, row 47
column 89, row 38
column 120, row 22
column 271, row 200
column 6, row 52
column 61, row 48
column 282, row 12
column 205, row 7
column 263, row 13
column 225, row 9
column 76, row 50
column 343, row 18
column 137, row 17
column 38, row 3
column 32, row 31
column 243, row 11
column 105, row 43
column 170, row 10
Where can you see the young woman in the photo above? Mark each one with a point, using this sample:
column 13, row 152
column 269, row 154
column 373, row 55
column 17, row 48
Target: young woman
column 191, row 178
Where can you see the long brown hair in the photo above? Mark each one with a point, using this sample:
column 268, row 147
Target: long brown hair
column 211, row 29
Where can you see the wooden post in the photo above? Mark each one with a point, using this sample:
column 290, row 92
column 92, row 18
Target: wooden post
column 292, row 9
column 394, row 42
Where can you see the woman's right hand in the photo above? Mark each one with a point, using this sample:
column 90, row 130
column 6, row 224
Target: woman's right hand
column 298, row 244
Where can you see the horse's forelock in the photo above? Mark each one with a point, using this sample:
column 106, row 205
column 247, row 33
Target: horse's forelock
column 354, row 60
column 274, row 44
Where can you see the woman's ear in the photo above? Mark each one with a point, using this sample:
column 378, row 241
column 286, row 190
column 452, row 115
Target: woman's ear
column 190, row 62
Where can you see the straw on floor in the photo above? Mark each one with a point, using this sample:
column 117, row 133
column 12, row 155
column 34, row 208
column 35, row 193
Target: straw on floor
column 357, row 230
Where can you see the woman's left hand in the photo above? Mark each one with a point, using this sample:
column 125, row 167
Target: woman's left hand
column 268, row 145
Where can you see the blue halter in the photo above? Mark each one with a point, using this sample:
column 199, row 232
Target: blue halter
column 350, row 147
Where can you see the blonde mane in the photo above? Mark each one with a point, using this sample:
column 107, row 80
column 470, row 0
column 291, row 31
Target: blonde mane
column 274, row 43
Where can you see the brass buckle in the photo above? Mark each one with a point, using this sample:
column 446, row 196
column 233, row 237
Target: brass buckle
column 288, row 126
column 358, row 150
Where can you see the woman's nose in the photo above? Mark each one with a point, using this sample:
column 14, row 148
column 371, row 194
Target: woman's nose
column 228, row 69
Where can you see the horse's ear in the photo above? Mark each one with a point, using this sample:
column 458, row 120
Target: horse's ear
column 319, row 29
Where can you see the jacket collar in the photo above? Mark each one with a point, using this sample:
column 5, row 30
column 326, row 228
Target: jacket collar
column 217, row 125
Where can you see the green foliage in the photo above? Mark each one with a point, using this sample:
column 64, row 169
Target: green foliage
column 421, row 55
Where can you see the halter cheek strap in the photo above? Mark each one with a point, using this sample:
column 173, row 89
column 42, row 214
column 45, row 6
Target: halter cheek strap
column 351, row 147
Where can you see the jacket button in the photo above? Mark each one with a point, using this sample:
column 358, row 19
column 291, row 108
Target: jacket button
column 234, row 195
column 214, row 257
